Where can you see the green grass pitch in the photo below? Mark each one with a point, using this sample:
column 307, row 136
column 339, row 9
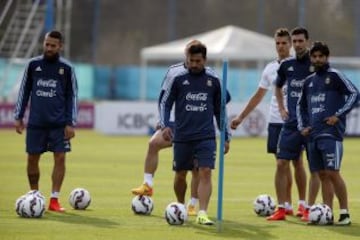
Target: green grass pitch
column 109, row 166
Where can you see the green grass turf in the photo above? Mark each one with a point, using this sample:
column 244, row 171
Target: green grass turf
column 109, row 166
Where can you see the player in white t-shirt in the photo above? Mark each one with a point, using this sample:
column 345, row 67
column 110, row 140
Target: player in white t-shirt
column 268, row 77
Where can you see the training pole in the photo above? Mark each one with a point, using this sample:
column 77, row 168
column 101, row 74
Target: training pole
column 221, row 147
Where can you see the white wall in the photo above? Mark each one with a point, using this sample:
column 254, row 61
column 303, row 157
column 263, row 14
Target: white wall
column 135, row 118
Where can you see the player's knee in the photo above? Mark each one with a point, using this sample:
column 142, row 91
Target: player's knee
column 282, row 165
column 180, row 176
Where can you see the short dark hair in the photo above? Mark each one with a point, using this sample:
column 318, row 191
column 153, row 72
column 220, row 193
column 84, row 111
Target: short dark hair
column 321, row 47
column 282, row 32
column 300, row 30
column 197, row 48
column 55, row 34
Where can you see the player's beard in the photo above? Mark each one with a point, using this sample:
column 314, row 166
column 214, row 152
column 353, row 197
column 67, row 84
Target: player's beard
column 195, row 70
column 318, row 66
column 49, row 56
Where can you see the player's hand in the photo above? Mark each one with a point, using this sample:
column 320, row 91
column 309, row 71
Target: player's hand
column 235, row 122
column 19, row 126
column 284, row 114
column 227, row 147
column 331, row 120
column 167, row 134
column 306, row 131
column 69, row 132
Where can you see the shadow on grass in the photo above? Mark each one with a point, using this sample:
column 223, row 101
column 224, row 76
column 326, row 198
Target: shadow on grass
column 235, row 229
column 230, row 229
column 352, row 230
column 73, row 218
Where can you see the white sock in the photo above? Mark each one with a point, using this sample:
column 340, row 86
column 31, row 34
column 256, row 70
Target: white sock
column 55, row 195
column 202, row 212
column 302, row 202
column 148, row 178
column 281, row 205
column 288, row 206
column 193, row 201
column 343, row 211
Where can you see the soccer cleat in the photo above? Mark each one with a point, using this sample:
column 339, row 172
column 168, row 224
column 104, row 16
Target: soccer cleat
column 277, row 215
column 289, row 212
column 55, row 205
column 203, row 219
column 300, row 210
column 144, row 189
column 344, row 220
column 191, row 210
column 305, row 215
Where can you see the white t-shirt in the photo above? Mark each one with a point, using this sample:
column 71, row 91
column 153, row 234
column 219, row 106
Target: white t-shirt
column 267, row 81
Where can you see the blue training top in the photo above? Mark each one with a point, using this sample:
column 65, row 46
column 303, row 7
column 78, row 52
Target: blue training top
column 326, row 93
column 51, row 87
column 197, row 99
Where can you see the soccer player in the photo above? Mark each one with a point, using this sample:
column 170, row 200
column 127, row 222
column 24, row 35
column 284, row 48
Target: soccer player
column 327, row 96
column 292, row 73
column 196, row 94
column 157, row 142
column 49, row 81
column 283, row 45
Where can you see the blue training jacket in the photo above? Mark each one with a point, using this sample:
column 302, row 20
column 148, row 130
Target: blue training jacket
column 51, row 87
column 326, row 93
column 292, row 72
column 197, row 99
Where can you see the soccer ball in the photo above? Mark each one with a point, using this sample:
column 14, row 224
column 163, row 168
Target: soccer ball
column 36, row 193
column 31, row 206
column 264, row 205
column 19, row 204
column 320, row 214
column 36, row 208
column 175, row 213
column 142, row 205
column 79, row 198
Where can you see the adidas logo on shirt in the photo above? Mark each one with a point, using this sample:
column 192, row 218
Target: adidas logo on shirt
column 310, row 85
column 290, row 69
column 38, row 69
column 185, row 82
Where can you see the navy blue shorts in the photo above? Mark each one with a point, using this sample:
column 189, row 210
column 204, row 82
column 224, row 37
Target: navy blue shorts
column 42, row 140
column 194, row 154
column 290, row 145
column 325, row 154
column 273, row 136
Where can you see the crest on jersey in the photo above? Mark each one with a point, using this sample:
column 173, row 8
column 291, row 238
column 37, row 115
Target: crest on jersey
column 311, row 68
column 61, row 71
column 209, row 82
column 327, row 80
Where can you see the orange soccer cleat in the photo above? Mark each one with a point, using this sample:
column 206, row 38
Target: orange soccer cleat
column 300, row 210
column 305, row 216
column 55, row 205
column 289, row 212
column 277, row 215
column 144, row 189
